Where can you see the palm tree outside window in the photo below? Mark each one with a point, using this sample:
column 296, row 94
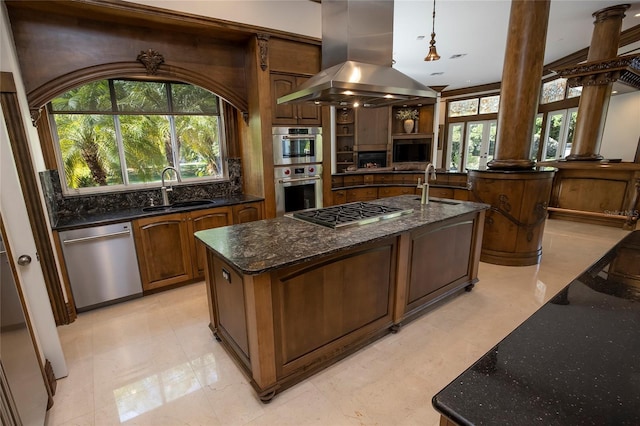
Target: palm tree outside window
column 120, row 134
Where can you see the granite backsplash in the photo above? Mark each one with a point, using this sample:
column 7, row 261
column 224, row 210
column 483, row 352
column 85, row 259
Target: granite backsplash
column 62, row 206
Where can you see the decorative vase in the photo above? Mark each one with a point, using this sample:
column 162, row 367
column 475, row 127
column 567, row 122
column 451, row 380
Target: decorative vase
column 408, row 125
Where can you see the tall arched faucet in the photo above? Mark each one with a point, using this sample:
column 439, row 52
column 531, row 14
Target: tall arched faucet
column 164, row 189
column 424, row 199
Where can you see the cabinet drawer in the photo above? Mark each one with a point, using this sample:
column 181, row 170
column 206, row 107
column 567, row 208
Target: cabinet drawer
column 362, row 194
column 392, row 191
column 339, row 197
column 353, row 180
column 337, row 181
column 441, row 192
column 385, row 179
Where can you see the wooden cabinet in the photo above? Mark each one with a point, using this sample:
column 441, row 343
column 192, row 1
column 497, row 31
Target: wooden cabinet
column 362, row 194
column 345, row 138
column 197, row 221
column 248, row 212
column 228, row 314
column 392, row 191
column 167, row 251
column 163, row 248
column 416, row 145
column 372, row 129
column 169, row 254
column 361, row 130
column 292, row 114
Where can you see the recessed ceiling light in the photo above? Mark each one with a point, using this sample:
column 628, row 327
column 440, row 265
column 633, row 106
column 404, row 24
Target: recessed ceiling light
column 436, row 73
column 637, row 15
column 458, row 56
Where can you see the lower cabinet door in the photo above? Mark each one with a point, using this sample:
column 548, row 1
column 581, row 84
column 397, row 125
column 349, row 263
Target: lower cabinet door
column 206, row 219
column 162, row 244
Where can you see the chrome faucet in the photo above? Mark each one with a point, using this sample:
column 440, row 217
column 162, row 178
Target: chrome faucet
column 164, row 189
column 424, row 199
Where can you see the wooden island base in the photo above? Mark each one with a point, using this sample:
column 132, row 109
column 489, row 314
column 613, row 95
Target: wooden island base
column 283, row 325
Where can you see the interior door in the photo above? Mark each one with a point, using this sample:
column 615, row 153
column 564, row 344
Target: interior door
column 23, row 393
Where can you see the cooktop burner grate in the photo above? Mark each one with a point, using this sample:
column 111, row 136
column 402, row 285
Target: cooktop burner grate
column 359, row 213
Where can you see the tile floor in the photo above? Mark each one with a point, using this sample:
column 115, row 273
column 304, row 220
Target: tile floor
column 153, row 361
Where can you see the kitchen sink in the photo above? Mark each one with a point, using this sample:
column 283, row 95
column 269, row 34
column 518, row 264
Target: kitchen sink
column 155, row 208
column 192, row 203
column 431, row 200
column 180, row 204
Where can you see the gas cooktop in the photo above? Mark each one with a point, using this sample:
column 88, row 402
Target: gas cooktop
column 359, row 213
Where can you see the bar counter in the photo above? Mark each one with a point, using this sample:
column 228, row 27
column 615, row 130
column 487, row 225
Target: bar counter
column 576, row 361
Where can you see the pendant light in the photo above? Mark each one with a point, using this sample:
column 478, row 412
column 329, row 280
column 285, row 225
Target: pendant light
column 433, row 54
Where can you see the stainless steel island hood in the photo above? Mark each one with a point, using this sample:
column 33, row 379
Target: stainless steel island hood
column 357, row 47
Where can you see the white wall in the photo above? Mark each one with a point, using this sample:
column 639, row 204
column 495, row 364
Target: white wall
column 14, row 216
column 294, row 16
column 622, row 127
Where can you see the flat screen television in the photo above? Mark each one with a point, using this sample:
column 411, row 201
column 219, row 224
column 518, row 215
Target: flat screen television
column 411, row 150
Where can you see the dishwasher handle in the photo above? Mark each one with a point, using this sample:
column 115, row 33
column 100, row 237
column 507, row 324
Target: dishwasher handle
column 97, row 237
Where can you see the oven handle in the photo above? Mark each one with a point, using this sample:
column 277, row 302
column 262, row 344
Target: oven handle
column 298, row 137
column 299, row 179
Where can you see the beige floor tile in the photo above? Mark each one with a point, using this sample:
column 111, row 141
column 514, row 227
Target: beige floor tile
column 153, row 360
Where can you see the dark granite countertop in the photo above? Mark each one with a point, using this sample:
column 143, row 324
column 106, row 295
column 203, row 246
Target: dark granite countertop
column 374, row 170
column 269, row 244
column 576, row 361
column 122, row 215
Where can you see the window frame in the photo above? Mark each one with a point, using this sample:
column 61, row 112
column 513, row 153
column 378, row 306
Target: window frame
column 170, row 114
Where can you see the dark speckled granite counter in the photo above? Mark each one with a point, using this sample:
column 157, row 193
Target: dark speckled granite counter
column 270, row 244
column 122, row 215
column 576, row 361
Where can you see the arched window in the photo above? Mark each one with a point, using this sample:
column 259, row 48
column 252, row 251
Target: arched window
column 120, row 134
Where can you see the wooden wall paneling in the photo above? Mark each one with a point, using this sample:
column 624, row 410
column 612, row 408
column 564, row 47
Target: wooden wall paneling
column 232, row 117
column 351, row 306
column 230, row 307
column 430, row 272
column 46, row 141
column 257, row 149
column 110, row 49
column 260, row 332
column 31, row 194
column 605, row 195
column 306, row 60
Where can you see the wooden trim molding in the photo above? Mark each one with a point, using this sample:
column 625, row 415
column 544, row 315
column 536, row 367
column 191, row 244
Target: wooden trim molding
column 40, row 96
column 151, row 59
column 31, row 193
column 263, row 44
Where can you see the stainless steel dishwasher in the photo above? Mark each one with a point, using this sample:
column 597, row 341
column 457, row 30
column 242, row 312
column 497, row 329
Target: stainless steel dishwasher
column 101, row 264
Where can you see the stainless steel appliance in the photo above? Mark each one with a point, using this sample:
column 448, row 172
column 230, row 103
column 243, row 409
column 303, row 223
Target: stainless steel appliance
column 358, row 213
column 102, row 265
column 357, row 53
column 297, row 145
column 298, row 188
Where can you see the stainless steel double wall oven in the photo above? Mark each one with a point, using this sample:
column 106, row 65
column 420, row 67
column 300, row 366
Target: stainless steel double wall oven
column 297, row 157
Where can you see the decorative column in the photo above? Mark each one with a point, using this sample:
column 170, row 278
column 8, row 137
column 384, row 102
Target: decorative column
column 594, row 100
column 517, row 192
column 521, row 82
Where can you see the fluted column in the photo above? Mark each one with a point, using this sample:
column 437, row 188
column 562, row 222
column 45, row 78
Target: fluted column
column 594, row 100
column 521, row 80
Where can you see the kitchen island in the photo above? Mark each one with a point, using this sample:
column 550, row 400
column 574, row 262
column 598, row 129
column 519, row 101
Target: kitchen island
column 288, row 298
column 576, row 361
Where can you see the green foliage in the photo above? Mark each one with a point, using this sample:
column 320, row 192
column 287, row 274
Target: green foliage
column 142, row 119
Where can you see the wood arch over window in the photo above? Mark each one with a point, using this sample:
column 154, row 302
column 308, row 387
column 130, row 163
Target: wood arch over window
column 39, row 97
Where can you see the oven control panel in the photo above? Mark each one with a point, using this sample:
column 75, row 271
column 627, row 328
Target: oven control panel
column 295, row 171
